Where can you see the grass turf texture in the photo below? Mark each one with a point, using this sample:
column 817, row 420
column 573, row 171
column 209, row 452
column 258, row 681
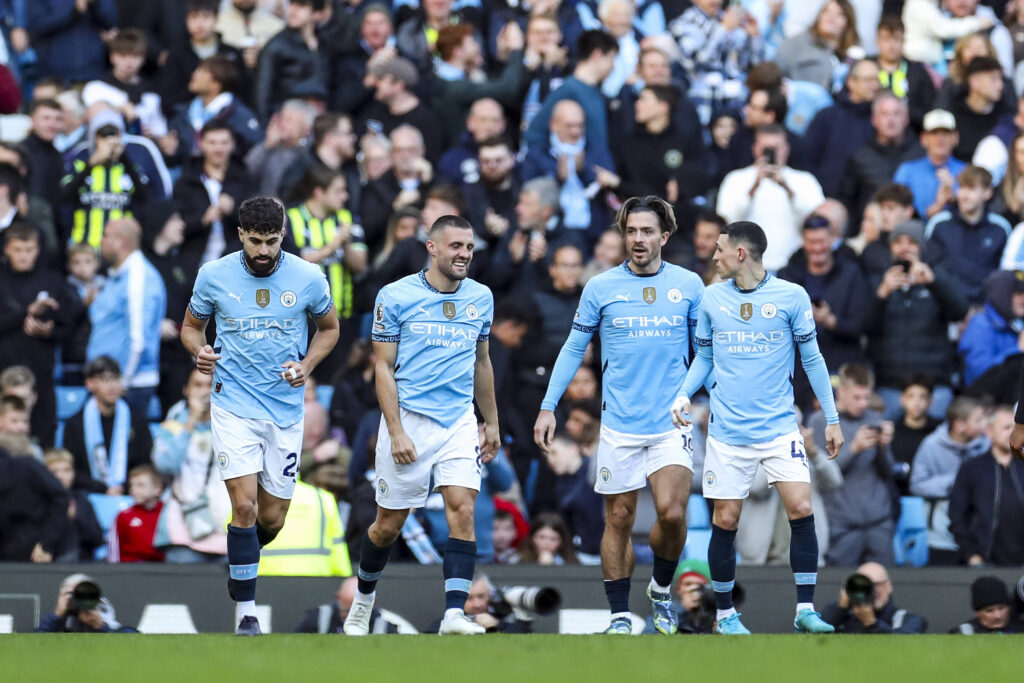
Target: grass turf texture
column 408, row 659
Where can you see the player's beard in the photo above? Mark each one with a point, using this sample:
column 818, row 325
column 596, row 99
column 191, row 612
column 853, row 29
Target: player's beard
column 645, row 258
column 262, row 267
column 448, row 270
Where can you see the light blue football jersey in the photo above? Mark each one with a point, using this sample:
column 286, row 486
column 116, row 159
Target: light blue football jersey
column 437, row 334
column 644, row 323
column 261, row 323
column 753, row 337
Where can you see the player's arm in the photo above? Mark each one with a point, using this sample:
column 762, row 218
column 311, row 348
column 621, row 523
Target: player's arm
column 483, row 390
column 324, row 339
column 696, row 377
column 566, row 365
column 193, row 338
column 817, row 373
column 402, row 448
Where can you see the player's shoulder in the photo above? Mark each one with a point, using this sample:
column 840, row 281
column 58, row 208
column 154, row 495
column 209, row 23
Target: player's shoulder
column 718, row 290
column 301, row 268
column 776, row 285
column 470, row 288
column 403, row 284
column 685, row 276
column 227, row 264
column 607, row 279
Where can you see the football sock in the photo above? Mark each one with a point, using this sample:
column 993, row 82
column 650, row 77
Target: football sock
column 265, row 535
column 372, row 560
column 243, row 564
column 459, row 563
column 661, row 580
column 244, row 609
column 722, row 562
column 803, row 557
column 617, row 591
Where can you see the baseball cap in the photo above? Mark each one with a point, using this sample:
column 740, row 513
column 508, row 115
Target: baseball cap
column 400, row 68
column 938, row 119
column 692, row 568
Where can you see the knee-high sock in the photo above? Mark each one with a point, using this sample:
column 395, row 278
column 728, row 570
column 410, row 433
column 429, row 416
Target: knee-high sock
column 722, row 563
column 803, row 557
column 372, row 560
column 617, row 592
column 459, row 563
column 243, row 563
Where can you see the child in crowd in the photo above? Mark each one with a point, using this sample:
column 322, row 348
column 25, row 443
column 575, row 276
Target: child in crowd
column 549, row 542
column 83, row 272
column 84, row 532
column 131, row 539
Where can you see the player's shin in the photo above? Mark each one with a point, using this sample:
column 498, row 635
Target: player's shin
column 722, row 563
column 459, row 564
column 243, row 568
column 803, row 558
column 372, row 560
column 661, row 577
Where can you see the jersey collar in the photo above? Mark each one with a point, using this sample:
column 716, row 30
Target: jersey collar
column 762, row 283
column 245, row 266
column 625, row 267
column 435, row 290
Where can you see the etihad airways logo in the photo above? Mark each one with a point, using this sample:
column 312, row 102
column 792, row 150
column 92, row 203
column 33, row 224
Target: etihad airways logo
column 748, row 341
column 260, row 328
column 649, row 325
column 449, row 336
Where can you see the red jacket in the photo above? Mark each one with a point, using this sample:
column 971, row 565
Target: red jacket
column 131, row 539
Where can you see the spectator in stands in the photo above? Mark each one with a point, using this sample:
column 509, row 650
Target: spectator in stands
column 932, row 177
column 548, row 542
column 19, row 381
column 906, row 79
column 927, row 28
column 708, row 227
column 12, row 183
column 818, row 54
column 545, row 61
column 503, row 536
column 874, row 163
column 997, row 332
column 416, row 38
column 837, row 132
column 83, row 533
column 859, row 512
column 131, row 304
column 967, row 240
column 330, row 617
column 913, row 424
column 125, row 89
column 936, row 463
column 771, row 194
column 486, row 120
column 990, row 601
column 196, row 512
column 595, row 54
column 375, row 45
column 763, row 107
column 578, row 504
column 14, row 420
column 46, row 166
column 908, row 320
column 1008, row 200
column 979, row 109
column 106, row 437
column 246, row 27
column 609, row 252
column 292, row 63
column 654, row 67
column 492, row 197
column 40, row 311
column 878, row 616
column 997, row 34
column 986, row 504
column 133, row 531
column 717, row 47
column 404, row 185
column 73, row 129
column 396, row 104
column 895, row 206
column 459, row 81
column 332, row 148
column 212, row 82
column 66, row 35
column 282, row 145
column 33, row 509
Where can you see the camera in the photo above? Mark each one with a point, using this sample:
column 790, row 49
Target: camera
column 860, row 590
column 769, row 156
column 902, row 263
column 85, row 596
column 541, row 600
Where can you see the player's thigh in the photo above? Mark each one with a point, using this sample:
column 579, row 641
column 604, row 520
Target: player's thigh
column 238, row 443
column 457, row 460
column 620, row 462
column 728, row 470
column 403, row 487
column 669, row 468
column 281, row 461
column 784, row 460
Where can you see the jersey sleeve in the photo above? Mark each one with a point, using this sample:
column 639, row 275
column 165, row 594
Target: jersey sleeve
column 386, row 325
column 693, row 316
column 487, row 317
column 588, row 313
column 703, row 334
column 201, row 303
column 801, row 317
column 319, row 301
column 358, row 236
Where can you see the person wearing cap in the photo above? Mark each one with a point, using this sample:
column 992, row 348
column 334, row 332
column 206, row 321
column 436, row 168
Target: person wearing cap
column 292, row 64
column 932, row 177
column 997, row 332
column 990, row 600
column 908, row 319
column 978, row 111
column 690, row 584
column 396, row 104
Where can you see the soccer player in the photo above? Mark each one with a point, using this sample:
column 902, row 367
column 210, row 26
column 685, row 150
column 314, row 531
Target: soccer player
column 747, row 333
column 643, row 310
column 430, row 338
column 260, row 298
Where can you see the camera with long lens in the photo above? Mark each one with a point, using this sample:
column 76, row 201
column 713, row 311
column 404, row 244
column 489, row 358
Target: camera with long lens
column 524, row 601
column 860, row 590
column 85, row 596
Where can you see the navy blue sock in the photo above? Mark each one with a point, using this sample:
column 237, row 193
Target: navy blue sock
column 617, row 591
column 722, row 562
column 265, row 535
column 243, row 563
column 803, row 557
column 372, row 560
column 459, row 563
column 663, row 571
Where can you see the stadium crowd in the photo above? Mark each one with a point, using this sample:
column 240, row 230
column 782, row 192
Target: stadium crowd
column 879, row 144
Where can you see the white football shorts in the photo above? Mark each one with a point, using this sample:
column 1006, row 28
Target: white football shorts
column 450, row 454
column 729, row 470
column 625, row 461
column 246, row 446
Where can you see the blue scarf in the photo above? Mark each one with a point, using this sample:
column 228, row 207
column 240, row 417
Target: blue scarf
column 573, row 196
column 110, row 468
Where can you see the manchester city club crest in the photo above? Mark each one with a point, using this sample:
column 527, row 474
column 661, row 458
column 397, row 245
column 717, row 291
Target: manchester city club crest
column 746, row 311
column 769, row 311
column 710, row 478
column 262, row 298
column 288, row 299
column 674, row 295
column 650, row 295
column 448, row 308
column 606, row 475
column 471, row 312
column 222, row 460
column 382, row 487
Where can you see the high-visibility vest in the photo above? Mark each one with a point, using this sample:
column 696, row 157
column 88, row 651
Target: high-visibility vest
column 105, row 197
column 312, row 541
column 896, row 81
column 308, row 230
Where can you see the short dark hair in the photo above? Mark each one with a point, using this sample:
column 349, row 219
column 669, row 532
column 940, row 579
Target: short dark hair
column 222, row 70
column 894, row 192
column 709, row 216
column 146, row 470
column 891, row 23
column 961, row 408
column 776, row 104
column 317, row 176
column 262, row 215
column 982, row 65
column 510, row 310
column 209, row 6
column 12, row 404
column 590, row 406
column 324, row 123
column 771, row 129
column 11, row 178
column 816, row 222
column 665, row 93
column 317, row 5
column 44, row 103
column 23, row 230
column 750, row 235
column 128, row 41
column 102, row 365
column 594, row 40
column 449, row 221
column 857, row 375
column 449, row 194
column 498, row 140
column 213, row 125
column 917, row 381
column 649, row 204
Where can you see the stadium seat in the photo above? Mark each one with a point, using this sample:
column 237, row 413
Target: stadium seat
column 106, row 508
column 696, row 547
column 910, row 543
column 69, row 401
column 697, row 515
column 324, row 394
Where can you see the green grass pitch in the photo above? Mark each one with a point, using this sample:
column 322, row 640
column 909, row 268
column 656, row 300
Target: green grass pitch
column 569, row 659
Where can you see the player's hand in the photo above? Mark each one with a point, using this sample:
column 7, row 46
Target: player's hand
column 206, row 360
column 294, row 373
column 1017, row 441
column 402, row 449
column 490, row 442
column 833, row 440
column 680, row 412
column 544, row 429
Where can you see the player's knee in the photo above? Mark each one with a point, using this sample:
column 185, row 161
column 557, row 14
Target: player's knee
column 671, row 515
column 244, row 513
column 620, row 516
column 800, row 509
column 727, row 519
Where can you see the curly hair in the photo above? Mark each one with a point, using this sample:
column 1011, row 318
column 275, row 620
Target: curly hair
column 263, row 215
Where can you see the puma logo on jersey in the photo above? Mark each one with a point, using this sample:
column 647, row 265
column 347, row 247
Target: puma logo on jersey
column 622, row 297
column 236, row 297
column 423, row 311
column 729, row 313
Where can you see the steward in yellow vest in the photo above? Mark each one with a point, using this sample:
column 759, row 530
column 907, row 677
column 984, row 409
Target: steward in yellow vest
column 312, row 540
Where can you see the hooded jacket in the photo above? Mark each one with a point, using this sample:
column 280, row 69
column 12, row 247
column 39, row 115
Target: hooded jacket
column 991, row 336
column 833, row 137
column 33, row 508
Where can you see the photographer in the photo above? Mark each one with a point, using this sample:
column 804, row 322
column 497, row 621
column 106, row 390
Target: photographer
column 330, row 617
column 507, row 609
column 865, row 605
column 81, row 608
